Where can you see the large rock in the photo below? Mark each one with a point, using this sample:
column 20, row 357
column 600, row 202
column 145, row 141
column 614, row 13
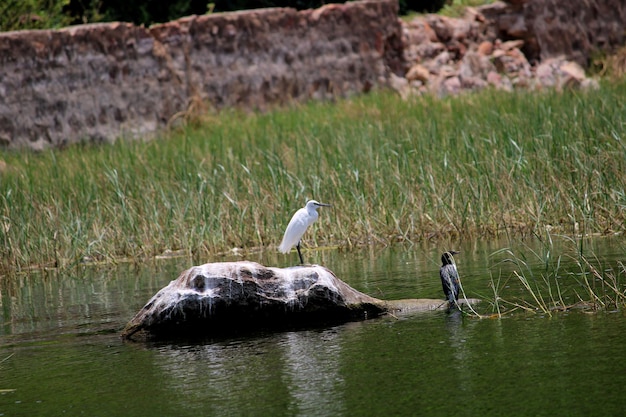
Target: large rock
column 227, row 297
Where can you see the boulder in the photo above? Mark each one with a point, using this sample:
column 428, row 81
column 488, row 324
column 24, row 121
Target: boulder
column 562, row 74
column 218, row 297
column 418, row 72
column 232, row 297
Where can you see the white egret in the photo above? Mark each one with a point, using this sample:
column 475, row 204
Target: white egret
column 449, row 277
column 298, row 224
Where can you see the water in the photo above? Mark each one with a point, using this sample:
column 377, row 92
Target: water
column 60, row 351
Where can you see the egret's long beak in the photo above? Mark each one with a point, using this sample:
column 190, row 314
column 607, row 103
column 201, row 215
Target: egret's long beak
column 324, row 205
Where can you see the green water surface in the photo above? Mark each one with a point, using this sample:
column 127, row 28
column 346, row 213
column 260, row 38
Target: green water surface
column 60, row 351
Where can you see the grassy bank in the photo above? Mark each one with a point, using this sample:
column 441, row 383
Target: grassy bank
column 473, row 166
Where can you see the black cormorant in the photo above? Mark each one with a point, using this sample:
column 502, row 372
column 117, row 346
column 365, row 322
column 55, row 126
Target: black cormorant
column 449, row 277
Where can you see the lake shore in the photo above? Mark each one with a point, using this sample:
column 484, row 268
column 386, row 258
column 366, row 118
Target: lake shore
column 473, row 167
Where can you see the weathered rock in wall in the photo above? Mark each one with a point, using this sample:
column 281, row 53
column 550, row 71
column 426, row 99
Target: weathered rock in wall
column 97, row 82
column 528, row 44
column 553, row 28
column 85, row 82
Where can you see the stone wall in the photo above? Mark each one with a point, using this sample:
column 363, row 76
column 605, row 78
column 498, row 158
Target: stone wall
column 98, row 82
column 573, row 29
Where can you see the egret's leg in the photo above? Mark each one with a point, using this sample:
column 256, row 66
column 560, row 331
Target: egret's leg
column 299, row 253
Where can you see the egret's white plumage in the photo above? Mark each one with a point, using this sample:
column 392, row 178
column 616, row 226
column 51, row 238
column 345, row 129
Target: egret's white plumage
column 300, row 221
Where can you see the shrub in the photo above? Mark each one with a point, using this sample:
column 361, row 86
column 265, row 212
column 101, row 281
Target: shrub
column 33, row 14
column 45, row 14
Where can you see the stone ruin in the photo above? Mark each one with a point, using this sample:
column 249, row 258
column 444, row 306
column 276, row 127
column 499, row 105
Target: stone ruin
column 100, row 82
column 526, row 44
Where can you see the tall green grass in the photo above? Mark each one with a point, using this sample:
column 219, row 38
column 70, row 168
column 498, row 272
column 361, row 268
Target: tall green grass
column 474, row 166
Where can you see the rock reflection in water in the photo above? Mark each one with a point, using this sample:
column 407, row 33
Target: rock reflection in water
column 312, row 364
column 302, row 368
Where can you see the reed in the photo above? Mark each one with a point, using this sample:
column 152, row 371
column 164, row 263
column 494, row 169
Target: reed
column 475, row 166
column 575, row 279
